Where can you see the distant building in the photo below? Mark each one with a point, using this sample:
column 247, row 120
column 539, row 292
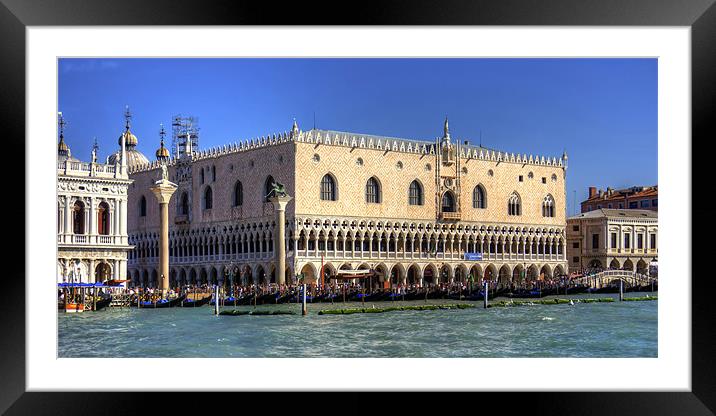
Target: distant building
column 613, row 239
column 636, row 197
column 92, row 241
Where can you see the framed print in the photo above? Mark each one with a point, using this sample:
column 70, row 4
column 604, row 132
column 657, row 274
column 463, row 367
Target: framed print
column 461, row 261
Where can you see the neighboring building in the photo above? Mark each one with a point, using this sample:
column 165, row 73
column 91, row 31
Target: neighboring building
column 92, row 242
column 613, row 239
column 636, row 197
column 412, row 210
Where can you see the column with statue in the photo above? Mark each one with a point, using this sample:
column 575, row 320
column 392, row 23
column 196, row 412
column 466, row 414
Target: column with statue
column 163, row 190
column 280, row 199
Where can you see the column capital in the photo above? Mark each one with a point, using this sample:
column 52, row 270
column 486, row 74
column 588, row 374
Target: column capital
column 280, row 202
column 163, row 190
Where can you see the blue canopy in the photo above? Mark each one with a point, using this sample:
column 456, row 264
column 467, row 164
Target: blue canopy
column 98, row 284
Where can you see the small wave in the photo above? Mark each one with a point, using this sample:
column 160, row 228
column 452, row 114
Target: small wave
column 547, row 318
column 221, row 339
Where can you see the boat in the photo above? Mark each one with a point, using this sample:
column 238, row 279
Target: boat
column 191, row 303
column 74, row 307
column 103, row 303
column 162, row 303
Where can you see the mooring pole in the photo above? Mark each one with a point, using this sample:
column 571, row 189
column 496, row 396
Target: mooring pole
column 304, row 311
column 621, row 290
column 216, row 300
column 485, row 295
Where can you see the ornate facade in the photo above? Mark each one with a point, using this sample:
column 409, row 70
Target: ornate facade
column 416, row 211
column 92, row 238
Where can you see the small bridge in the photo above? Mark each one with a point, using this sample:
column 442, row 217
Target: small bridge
column 607, row 277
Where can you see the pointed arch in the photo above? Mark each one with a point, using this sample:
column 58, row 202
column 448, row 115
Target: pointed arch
column 268, row 187
column 415, row 193
column 372, row 191
column 448, row 202
column 329, row 188
column 208, row 200
column 479, row 197
column 238, row 197
column 548, row 206
column 514, row 204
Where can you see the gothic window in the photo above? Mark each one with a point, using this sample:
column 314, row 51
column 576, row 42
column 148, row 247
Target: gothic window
column 238, row 194
column 328, row 188
column 415, row 196
column 78, row 218
column 184, row 204
column 448, row 202
column 548, row 206
column 514, row 205
column 213, row 173
column 103, row 219
column 202, row 176
column 143, row 207
column 478, row 197
column 268, row 187
column 208, row 198
column 372, row 191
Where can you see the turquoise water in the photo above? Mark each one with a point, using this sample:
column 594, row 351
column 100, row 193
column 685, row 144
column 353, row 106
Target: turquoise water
column 618, row 329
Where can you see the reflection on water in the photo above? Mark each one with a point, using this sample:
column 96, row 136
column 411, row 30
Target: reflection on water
column 619, row 329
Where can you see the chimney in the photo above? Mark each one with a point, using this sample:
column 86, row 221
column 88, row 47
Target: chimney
column 592, row 191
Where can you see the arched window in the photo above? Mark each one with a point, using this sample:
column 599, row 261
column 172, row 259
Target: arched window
column 478, row 197
column 514, row 205
column 184, row 204
column 208, row 198
column 448, row 202
column 103, row 219
column 78, row 218
column 415, row 194
column 548, row 206
column 268, row 187
column 328, row 188
column 372, row 191
column 143, row 207
column 238, row 194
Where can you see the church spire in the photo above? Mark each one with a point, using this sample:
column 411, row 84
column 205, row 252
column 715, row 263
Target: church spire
column 446, row 130
column 62, row 148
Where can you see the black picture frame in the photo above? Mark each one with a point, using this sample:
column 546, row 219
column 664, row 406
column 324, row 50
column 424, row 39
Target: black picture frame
column 16, row 15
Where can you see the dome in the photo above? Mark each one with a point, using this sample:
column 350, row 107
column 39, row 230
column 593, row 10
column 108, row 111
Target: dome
column 162, row 152
column 62, row 147
column 130, row 139
column 135, row 158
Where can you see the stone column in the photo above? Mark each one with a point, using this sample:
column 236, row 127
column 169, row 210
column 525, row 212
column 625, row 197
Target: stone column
column 279, row 204
column 163, row 190
column 68, row 214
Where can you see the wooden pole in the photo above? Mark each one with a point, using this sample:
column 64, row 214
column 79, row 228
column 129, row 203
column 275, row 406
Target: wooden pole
column 216, row 303
column 304, row 311
column 621, row 290
column 485, row 295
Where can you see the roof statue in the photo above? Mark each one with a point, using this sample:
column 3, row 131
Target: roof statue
column 277, row 190
column 165, row 174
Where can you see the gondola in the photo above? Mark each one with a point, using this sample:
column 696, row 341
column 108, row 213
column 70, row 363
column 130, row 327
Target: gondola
column 162, row 303
column 103, row 303
column 191, row 303
column 526, row 294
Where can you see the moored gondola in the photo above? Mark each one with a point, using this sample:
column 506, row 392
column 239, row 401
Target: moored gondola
column 191, row 303
column 161, row 303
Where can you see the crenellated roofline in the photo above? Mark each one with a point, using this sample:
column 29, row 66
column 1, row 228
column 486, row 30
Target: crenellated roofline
column 358, row 140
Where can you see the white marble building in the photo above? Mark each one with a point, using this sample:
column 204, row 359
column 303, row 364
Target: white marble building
column 92, row 241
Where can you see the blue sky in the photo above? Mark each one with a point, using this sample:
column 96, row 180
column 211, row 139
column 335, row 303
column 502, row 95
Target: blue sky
column 602, row 111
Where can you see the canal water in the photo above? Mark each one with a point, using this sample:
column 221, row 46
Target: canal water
column 618, row 329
